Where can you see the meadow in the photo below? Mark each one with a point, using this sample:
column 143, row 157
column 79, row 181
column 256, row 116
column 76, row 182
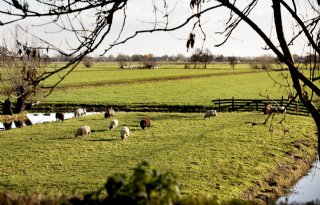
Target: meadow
column 219, row 158
column 170, row 86
column 222, row 158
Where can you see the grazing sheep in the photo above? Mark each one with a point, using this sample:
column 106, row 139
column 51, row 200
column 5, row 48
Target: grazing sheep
column 79, row 112
column 60, row 116
column 109, row 113
column 145, row 123
column 282, row 109
column 113, row 124
column 210, row 113
column 83, row 131
column 268, row 109
column 124, row 133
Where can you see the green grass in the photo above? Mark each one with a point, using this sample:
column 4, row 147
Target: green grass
column 195, row 91
column 214, row 158
column 107, row 72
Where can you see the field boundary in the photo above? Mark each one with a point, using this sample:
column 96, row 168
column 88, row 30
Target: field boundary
column 292, row 107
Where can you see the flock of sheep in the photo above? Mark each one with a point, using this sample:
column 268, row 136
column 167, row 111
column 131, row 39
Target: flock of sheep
column 144, row 123
column 86, row 130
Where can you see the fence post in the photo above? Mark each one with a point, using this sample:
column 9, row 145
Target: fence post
column 219, row 105
column 281, row 104
column 232, row 104
column 257, row 104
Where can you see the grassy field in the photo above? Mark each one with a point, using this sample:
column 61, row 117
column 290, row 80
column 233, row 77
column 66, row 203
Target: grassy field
column 218, row 158
column 106, row 83
column 222, row 158
column 102, row 73
column 157, row 90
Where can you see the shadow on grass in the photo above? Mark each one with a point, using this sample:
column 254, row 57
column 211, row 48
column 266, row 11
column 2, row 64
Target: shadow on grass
column 102, row 140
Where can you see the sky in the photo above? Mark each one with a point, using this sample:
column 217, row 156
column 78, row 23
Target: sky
column 243, row 42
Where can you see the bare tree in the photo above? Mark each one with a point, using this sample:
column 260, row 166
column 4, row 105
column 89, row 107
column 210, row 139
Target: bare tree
column 206, row 57
column 149, row 61
column 303, row 15
column 20, row 67
column 232, row 61
column 196, row 57
column 123, row 60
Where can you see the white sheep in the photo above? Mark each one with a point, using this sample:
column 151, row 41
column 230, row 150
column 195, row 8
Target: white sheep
column 113, row 124
column 210, row 113
column 83, row 131
column 124, row 133
column 282, row 109
column 79, row 112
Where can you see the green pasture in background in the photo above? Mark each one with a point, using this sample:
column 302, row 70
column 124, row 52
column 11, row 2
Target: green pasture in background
column 109, row 72
column 194, row 91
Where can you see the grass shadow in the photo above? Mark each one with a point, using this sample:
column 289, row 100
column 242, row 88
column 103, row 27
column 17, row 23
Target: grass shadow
column 102, row 140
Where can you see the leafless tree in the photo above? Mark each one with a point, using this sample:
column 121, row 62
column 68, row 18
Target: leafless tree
column 149, row 61
column 196, row 57
column 20, row 67
column 206, row 57
column 232, row 61
column 68, row 15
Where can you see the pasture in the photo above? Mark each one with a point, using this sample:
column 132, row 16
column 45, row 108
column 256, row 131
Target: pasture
column 109, row 85
column 221, row 157
column 109, row 73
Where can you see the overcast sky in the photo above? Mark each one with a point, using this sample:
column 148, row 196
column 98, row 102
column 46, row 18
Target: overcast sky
column 244, row 41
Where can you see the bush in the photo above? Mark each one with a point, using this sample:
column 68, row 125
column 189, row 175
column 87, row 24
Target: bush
column 146, row 186
column 87, row 62
column 262, row 66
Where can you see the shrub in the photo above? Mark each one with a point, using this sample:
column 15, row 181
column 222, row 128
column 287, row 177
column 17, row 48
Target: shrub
column 146, row 186
column 87, row 62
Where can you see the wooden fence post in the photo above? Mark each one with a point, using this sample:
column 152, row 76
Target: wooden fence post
column 281, row 104
column 232, row 104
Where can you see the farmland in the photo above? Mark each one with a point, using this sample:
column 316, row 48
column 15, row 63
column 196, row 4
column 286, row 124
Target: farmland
column 162, row 86
column 222, row 158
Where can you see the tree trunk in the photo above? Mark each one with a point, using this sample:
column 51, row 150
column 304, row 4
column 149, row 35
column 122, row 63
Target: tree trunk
column 295, row 75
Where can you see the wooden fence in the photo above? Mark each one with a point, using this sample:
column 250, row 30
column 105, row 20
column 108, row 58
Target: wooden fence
column 292, row 107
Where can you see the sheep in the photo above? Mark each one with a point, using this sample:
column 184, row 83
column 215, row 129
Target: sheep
column 268, row 109
column 282, row 109
column 79, row 112
column 83, row 131
column 210, row 113
column 60, row 116
column 109, row 113
column 145, row 123
column 124, row 132
column 113, row 124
